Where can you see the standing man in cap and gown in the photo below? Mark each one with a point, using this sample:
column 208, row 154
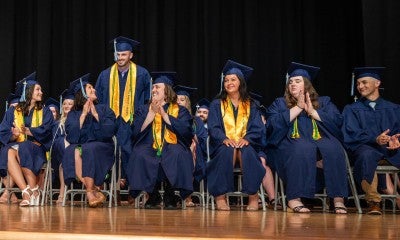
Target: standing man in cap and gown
column 124, row 87
column 371, row 132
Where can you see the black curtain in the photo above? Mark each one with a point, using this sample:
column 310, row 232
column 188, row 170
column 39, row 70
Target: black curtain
column 62, row 40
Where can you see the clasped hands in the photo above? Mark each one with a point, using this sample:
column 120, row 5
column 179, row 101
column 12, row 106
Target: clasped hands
column 236, row 144
column 392, row 141
column 89, row 107
column 157, row 107
column 304, row 102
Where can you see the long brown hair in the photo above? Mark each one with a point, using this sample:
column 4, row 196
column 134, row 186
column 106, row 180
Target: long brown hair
column 308, row 87
column 24, row 106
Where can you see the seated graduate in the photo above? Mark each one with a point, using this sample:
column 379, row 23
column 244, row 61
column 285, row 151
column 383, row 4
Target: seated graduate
column 89, row 129
column 12, row 100
column 202, row 108
column 235, row 129
column 303, row 128
column 371, row 132
column 268, row 180
column 26, row 134
column 199, row 143
column 59, row 140
column 162, row 135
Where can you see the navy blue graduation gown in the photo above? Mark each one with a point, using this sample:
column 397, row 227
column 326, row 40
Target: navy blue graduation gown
column 31, row 155
column 220, row 178
column 95, row 139
column 142, row 95
column 361, row 127
column 201, row 149
column 176, row 159
column 295, row 158
column 58, row 147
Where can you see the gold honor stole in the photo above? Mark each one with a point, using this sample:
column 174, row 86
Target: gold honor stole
column 129, row 92
column 19, row 121
column 235, row 130
column 170, row 137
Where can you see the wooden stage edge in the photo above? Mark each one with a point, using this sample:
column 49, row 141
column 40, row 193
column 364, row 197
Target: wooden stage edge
column 12, row 235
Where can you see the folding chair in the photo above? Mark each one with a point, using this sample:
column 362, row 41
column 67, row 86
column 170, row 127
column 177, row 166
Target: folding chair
column 323, row 196
column 109, row 189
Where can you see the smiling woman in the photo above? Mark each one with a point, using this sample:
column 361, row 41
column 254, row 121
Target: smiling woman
column 26, row 134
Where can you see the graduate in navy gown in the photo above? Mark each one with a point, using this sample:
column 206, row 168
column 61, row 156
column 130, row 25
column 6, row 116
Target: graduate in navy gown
column 89, row 130
column 124, row 86
column 162, row 133
column 60, row 142
column 235, row 130
column 202, row 109
column 199, row 143
column 25, row 133
column 303, row 128
column 371, row 132
column 268, row 180
column 12, row 100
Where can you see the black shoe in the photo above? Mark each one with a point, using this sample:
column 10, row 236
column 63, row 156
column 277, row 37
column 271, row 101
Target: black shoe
column 154, row 201
column 171, row 200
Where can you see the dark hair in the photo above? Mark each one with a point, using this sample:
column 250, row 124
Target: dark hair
column 308, row 87
column 243, row 94
column 80, row 100
column 24, row 106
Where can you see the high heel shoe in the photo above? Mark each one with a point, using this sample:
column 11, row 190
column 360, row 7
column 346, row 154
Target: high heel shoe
column 96, row 201
column 25, row 202
column 35, row 197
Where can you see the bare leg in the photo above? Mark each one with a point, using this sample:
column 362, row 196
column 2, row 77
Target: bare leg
column 268, row 180
column 62, row 185
column 16, row 174
column 78, row 166
column 390, row 189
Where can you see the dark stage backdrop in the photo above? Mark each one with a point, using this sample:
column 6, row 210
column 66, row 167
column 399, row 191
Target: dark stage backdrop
column 63, row 40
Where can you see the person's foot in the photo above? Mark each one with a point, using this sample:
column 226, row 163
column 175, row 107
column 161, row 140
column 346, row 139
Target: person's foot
column 60, row 200
column 221, row 203
column 374, row 208
column 4, row 197
column 253, row 203
column 296, row 206
column 339, row 207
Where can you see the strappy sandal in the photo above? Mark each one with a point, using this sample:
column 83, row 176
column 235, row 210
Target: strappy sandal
column 35, row 197
column 25, row 202
column 298, row 209
column 337, row 209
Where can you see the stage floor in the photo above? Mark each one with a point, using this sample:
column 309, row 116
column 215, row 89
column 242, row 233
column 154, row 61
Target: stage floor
column 125, row 222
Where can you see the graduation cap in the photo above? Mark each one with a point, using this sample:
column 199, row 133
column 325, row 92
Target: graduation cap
column 79, row 85
column 51, row 102
column 183, row 90
column 66, row 94
column 121, row 44
column 11, row 99
column 203, row 103
column 232, row 67
column 360, row 72
column 258, row 100
column 23, row 84
column 298, row 69
column 164, row 77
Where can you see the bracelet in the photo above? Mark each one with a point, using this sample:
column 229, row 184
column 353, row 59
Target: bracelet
column 299, row 107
